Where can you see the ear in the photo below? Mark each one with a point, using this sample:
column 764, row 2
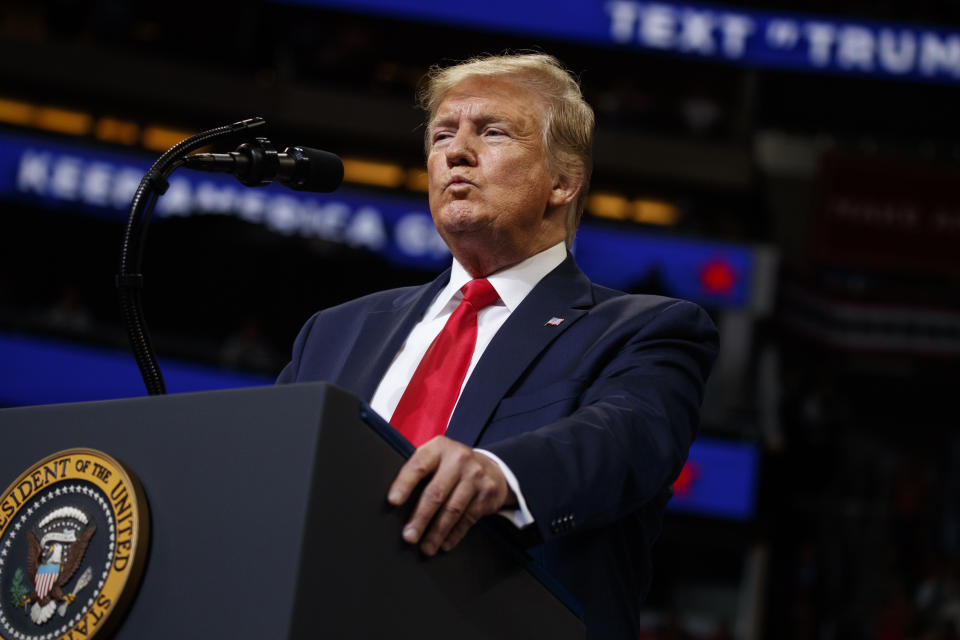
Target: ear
column 565, row 189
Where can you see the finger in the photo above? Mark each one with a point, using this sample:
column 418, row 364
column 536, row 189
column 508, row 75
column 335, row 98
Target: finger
column 422, row 463
column 433, row 497
column 452, row 512
column 460, row 529
column 488, row 498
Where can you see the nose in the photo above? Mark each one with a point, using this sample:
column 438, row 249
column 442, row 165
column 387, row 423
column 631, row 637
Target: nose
column 460, row 150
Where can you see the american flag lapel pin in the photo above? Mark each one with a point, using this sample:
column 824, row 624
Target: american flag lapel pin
column 553, row 322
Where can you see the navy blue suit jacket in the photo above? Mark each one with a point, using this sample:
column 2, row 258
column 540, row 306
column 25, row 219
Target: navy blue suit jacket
column 594, row 415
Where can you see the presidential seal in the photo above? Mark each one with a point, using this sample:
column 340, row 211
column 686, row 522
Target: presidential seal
column 73, row 539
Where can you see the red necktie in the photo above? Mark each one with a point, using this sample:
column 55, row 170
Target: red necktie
column 426, row 404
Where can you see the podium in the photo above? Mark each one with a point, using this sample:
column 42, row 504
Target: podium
column 269, row 519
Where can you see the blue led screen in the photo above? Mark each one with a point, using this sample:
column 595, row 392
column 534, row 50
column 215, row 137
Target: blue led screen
column 719, row 480
column 35, row 370
column 90, row 181
column 714, row 32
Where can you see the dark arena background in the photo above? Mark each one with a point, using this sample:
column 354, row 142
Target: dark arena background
column 794, row 167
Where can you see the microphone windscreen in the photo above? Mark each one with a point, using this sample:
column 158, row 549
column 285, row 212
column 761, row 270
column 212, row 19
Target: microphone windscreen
column 321, row 173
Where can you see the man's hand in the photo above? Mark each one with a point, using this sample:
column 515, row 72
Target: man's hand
column 466, row 485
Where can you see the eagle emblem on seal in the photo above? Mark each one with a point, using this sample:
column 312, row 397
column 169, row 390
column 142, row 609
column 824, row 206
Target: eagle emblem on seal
column 56, row 549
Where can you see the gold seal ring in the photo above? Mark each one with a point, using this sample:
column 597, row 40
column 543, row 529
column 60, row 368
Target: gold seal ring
column 74, row 533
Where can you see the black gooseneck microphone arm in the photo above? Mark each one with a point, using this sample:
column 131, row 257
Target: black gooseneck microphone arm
column 129, row 280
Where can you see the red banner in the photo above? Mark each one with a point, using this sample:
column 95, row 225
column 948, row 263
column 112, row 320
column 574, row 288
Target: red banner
column 887, row 213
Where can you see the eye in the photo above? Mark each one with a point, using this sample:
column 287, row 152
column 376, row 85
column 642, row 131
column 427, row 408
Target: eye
column 440, row 136
column 491, row 132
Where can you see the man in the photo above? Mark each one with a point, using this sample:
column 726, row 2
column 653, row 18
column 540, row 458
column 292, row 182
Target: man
column 582, row 401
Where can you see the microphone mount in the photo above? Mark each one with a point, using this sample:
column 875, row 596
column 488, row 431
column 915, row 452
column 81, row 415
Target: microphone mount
column 254, row 163
column 257, row 163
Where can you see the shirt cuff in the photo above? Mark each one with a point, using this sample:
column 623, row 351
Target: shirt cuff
column 521, row 516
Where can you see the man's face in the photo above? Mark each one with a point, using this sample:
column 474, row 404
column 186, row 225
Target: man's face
column 493, row 198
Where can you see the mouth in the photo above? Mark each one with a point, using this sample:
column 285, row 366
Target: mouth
column 459, row 181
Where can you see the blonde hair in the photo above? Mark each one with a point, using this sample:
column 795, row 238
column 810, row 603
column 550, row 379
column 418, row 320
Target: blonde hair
column 568, row 119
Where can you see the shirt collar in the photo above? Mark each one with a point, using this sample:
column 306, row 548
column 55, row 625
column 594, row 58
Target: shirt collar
column 512, row 284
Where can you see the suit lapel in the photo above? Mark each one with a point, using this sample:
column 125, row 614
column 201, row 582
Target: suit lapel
column 563, row 293
column 382, row 334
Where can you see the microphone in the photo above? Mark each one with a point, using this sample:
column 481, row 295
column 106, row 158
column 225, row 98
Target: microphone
column 257, row 163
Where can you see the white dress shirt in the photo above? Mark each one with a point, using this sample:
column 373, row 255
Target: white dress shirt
column 512, row 285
